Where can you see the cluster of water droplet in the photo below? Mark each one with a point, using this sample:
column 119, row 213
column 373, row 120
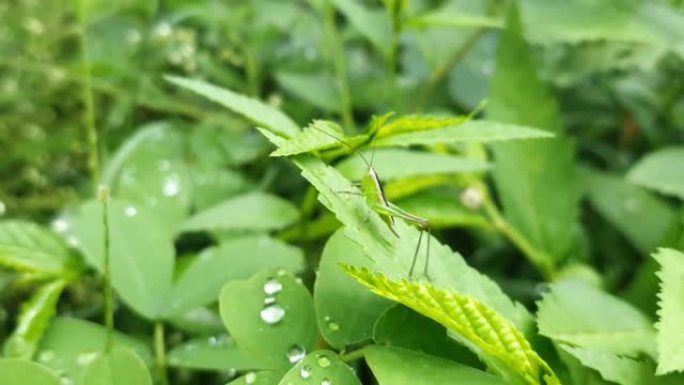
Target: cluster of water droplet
column 272, row 313
column 323, row 362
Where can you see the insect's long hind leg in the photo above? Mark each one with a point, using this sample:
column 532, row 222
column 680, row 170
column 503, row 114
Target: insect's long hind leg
column 415, row 254
column 427, row 255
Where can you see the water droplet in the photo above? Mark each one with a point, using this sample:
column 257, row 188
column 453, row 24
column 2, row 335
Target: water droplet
column 269, row 301
column 332, row 325
column 3, row 208
column 326, row 382
column 131, row 211
column 84, row 359
column 272, row 286
column 171, row 186
column 272, row 314
column 472, row 198
column 305, row 371
column 73, row 241
column 46, row 356
column 298, row 280
column 250, row 377
column 60, row 225
column 282, row 272
column 323, row 361
column 218, row 341
column 296, row 354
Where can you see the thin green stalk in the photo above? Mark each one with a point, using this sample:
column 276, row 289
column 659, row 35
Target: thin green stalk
column 103, row 197
column 160, row 352
column 339, row 62
column 87, row 96
column 353, row 355
column 539, row 259
column 252, row 72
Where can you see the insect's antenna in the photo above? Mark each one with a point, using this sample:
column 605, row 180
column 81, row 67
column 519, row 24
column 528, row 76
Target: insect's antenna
column 372, row 150
column 346, row 144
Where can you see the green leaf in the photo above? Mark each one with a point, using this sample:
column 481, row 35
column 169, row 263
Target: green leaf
column 385, row 125
column 254, row 211
column 576, row 313
column 271, row 317
column 455, row 19
column 149, row 171
column 543, row 171
column 480, row 131
column 34, row 319
column 212, row 353
column 252, row 109
column 642, row 217
column 14, row 371
column 394, row 255
column 401, row 163
column 615, row 368
column 317, row 89
column 121, row 366
column 28, row 247
column 264, row 377
column 395, row 366
column 444, row 209
column 142, row 253
column 346, row 311
column 319, row 135
column 69, row 343
column 671, row 313
column 402, row 327
column 239, row 258
column 662, row 171
column 320, row 367
column 492, row 337
column 374, row 24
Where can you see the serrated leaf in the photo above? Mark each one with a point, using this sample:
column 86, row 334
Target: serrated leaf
column 401, row 163
column 15, row 371
column 612, row 367
column 120, row 366
column 142, row 252
column 271, row 317
column 346, row 312
column 319, row 135
column 69, row 343
column 642, row 217
column 252, row 109
column 395, row 366
column 34, row 318
column 28, row 247
column 386, row 125
column 671, row 313
column 320, row 367
column 238, row 258
column 661, row 170
column 479, row 131
column 254, row 211
column 394, row 255
column 575, row 313
column 542, row 171
column 212, row 353
column 495, row 339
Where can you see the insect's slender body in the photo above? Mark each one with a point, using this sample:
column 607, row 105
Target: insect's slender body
column 374, row 194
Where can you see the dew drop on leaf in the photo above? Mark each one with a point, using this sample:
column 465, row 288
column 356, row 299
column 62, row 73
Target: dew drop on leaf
column 323, row 361
column 326, row 382
column 73, row 241
column 296, row 354
column 171, row 186
column 60, row 225
column 250, row 377
column 305, row 372
column 273, row 286
column 272, row 314
column 332, row 325
column 269, row 301
column 46, row 356
column 84, row 359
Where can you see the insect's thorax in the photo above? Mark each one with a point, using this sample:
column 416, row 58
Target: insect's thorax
column 372, row 188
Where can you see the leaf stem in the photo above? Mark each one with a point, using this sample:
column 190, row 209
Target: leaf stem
column 353, row 355
column 340, row 64
column 160, row 352
column 87, row 96
column 538, row 258
column 103, row 197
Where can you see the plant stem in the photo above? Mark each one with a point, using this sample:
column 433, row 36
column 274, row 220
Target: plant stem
column 441, row 72
column 160, row 352
column 340, row 64
column 103, row 197
column 87, row 96
column 538, row 258
column 353, row 355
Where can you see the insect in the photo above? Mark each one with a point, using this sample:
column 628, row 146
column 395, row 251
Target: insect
column 374, row 194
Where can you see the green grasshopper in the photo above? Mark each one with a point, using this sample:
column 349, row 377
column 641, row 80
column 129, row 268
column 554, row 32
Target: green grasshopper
column 374, row 194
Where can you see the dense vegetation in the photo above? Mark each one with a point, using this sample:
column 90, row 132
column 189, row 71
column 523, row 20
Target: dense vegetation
column 180, row 199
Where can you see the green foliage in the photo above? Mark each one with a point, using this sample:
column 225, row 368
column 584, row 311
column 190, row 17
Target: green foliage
column 320, row 367
column 212, row 353
column 120, row 366
column 14, row 371
column 671, row 313
column 495, row 339
column 661, row 171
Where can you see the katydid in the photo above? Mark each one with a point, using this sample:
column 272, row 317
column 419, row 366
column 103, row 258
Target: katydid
column 374, row 194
